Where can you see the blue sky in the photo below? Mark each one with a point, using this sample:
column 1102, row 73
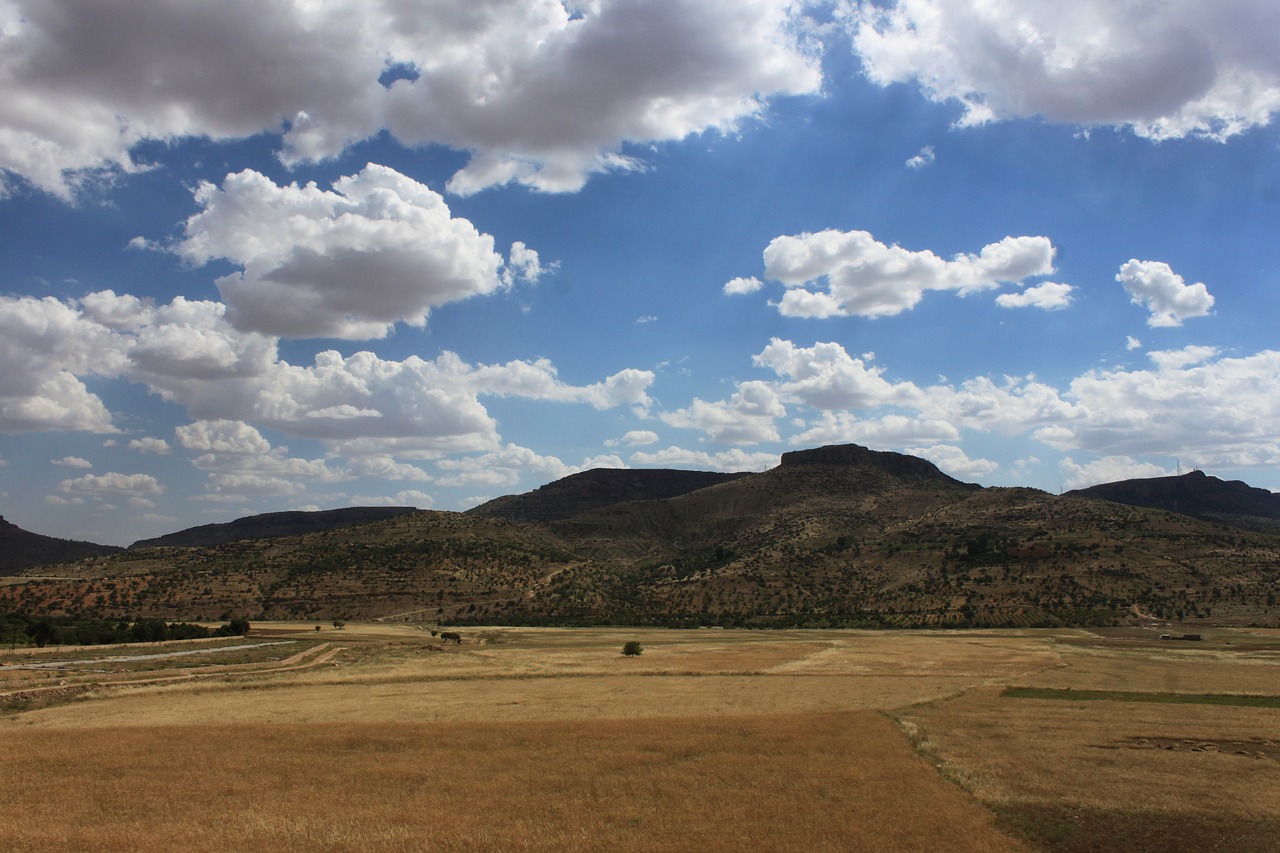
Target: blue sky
column 247, row 269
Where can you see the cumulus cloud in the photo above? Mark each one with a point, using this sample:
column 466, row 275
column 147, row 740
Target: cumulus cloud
column 825, row 376
column 504, row 467
column 45, row 347
column 1109, row 469
column 954, row 461
column 634, row 438
column 1193, row 405
column 741, row 286
column 888, row 431
column 1048, row 296
column 187, row 353
column 73, row 462
column 102, row 487
column 351, row 262
column 748, row 417
column 150, row 445
column 836, row 273
column 728, row 460
column 1166, row 70
column 535, row 92
column 241, row 463
column 1155, row 286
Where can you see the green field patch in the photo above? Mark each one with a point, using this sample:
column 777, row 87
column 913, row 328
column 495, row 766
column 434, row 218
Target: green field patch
column 1245, row 700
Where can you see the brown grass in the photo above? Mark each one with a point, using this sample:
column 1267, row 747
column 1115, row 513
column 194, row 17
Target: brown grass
column 547, row 739
column 805, row 782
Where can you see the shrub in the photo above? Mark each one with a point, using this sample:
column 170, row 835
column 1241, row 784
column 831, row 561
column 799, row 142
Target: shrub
column 632, row 648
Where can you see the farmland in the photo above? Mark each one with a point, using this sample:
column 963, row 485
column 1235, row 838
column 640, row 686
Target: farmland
column 380, row 736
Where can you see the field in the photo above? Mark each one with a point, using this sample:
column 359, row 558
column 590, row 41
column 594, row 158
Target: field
column 379, row 736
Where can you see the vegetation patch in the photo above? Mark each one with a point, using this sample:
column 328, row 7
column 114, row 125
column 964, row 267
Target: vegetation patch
column 1244, row 700
column 1076, row 827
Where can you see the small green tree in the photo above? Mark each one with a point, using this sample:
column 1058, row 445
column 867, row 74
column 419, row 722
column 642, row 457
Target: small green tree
column 632, row 648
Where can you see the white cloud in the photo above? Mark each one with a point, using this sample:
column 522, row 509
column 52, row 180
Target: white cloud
column 888, row 431
column 408, row 497
column 857, row 275
column 741, row 286
column 150, row 445
column 953, row 461
column 921, row 159
column 504, row 467
column 1048, row 296
column 1210, row 411
column 1131, row 343
column 1170, row 300
column 101, row 487
column 222, row 436
column 1166, row 70
column 73, row 462
column 535, row 92
column 187, row 353
column 748, row 417
column 634, row 438
column 729, row 460
column 378, row 249
column 241, row 463
column 826, row 377
column 1109, row 469
column 45, row 346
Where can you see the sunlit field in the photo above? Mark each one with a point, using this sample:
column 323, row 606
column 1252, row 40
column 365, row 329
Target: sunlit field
column 384, row 737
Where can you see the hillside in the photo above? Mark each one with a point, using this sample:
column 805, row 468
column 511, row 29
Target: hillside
column 598, row 488
column 838, row 536
column 1197, row 494
column 272, row 524
column 21, row 549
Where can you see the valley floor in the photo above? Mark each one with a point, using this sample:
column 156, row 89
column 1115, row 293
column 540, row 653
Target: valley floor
column 380, row 736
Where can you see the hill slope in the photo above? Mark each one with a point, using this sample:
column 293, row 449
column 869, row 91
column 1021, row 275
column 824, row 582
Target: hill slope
column 838, row 536
column 597, row 488
column 1197, row 494
column 272, row 524
column 21, row 549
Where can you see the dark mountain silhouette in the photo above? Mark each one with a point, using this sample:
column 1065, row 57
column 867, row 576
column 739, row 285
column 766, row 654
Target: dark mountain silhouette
column 1199, row 495
column 597, row 488
column 272, row 524
column 21, row 549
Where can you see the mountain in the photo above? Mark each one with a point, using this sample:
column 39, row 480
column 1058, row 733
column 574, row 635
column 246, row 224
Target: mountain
column 1197, row 494
column 272, row 524
column 21, row 549
column 597, row 488
column 834, row 536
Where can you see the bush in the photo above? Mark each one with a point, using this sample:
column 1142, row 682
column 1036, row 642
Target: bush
column 632, row 648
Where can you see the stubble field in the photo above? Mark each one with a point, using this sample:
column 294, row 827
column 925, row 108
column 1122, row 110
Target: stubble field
column 380, row 737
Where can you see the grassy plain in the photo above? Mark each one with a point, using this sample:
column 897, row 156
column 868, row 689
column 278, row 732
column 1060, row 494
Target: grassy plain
column 379, row 737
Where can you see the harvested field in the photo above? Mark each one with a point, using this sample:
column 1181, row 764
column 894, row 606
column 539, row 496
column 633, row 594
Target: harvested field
column 378, row 736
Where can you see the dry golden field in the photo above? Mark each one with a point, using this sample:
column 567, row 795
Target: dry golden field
column 379, row 737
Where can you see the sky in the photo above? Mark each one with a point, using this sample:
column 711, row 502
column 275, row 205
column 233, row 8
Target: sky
column 262, row 255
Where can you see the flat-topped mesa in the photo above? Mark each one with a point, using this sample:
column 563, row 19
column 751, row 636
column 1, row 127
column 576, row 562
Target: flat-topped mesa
column 855, row 455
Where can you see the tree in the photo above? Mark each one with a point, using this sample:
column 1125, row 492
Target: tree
column 632, row 648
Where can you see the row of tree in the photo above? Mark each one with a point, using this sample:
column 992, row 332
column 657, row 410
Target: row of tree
column 19, row 629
